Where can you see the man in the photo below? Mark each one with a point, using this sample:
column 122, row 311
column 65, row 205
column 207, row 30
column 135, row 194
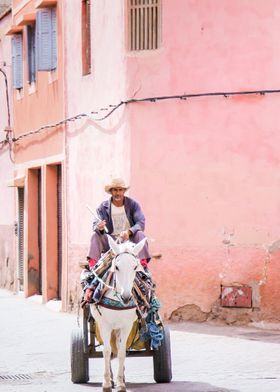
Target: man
column 121, row 217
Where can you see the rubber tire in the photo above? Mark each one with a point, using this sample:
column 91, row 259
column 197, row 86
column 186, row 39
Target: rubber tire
column 162, row 359
column 79, row 360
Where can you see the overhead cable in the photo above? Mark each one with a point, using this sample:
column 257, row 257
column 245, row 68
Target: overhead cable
column 112, row 108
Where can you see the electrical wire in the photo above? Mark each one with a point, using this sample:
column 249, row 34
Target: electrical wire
column 112, row 108
column 7, row 140
column 7, row 97
column 2, row 144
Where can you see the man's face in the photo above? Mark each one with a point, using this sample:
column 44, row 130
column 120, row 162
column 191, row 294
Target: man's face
column 118, row 194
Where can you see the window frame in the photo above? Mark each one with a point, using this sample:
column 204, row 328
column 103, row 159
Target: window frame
column 86, row 9
column 31, row 52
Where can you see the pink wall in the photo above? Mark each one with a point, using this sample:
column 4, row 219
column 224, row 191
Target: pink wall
column 207, row 169
column 7, row 246
column 95, row 150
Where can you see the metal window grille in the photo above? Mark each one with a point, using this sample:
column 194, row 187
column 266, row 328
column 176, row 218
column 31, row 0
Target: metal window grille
column 20, row 236
column 144, row 24
column 40, row 228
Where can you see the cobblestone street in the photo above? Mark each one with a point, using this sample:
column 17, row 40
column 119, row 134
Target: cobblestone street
column 35, row 345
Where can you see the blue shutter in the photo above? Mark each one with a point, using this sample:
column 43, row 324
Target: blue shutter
column 54, row 47
column 13, row 61
column 46, row 39
column 31, row 54
column 17, row 64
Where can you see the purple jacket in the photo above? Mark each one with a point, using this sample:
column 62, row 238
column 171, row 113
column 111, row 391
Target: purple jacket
column 133, row 212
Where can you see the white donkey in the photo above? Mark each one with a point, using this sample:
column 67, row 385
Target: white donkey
column 118, row 319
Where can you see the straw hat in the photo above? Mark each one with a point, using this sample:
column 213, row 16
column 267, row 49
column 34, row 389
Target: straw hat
column 116, row 183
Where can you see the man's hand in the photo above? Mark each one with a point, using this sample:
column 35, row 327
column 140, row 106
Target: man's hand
column 125, row 235
column 101, row 225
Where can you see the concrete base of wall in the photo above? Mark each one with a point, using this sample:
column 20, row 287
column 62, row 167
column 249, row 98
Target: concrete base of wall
column 76, row 254
column 7, row 258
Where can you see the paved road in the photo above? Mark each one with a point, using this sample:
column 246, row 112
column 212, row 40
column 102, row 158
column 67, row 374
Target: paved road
column 34, row 344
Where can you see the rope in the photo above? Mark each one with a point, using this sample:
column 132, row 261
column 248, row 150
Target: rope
column 102, row 281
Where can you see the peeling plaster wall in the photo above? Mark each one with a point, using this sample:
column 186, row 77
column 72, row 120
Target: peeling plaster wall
column 7, row 257
column 195, row 278
column 206, row 170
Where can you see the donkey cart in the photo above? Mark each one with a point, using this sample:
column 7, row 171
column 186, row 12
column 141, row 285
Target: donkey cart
column 84, row 345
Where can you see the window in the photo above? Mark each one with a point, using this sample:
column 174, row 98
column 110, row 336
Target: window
column 46, row 39
column 31, row 53
column 17, row 64
column 86, row 38
column 143, row 24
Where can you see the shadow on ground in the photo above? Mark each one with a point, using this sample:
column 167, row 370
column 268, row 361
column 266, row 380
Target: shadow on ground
column 176, row 386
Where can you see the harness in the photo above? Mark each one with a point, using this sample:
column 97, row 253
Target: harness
column 116, row 305
column 149, row 322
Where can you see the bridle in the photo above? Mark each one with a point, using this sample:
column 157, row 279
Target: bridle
column 136, row 261
column 113, row 287
column 131, row 254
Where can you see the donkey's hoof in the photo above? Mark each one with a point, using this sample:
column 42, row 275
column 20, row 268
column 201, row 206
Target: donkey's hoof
column 121, row 389
column 106, row 389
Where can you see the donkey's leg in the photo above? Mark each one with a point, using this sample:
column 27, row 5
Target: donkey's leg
column 122, row 338
column 106, row 336
column 112, row 376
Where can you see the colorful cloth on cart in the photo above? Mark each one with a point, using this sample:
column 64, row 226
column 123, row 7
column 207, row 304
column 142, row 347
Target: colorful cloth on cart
column 153, row 328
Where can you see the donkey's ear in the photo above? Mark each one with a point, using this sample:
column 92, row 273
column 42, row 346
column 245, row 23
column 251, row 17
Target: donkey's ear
column 138, row 247
column 113, row 245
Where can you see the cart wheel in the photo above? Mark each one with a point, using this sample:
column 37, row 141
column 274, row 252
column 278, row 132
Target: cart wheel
column 79, row 360
column 162, row 359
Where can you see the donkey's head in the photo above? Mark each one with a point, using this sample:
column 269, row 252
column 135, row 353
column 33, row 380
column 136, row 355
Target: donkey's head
column 125, row 265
